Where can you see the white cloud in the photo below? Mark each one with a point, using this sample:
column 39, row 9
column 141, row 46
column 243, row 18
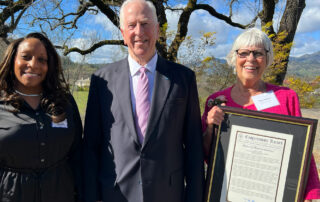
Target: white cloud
column 104, row 22
column 219, row 5
column 307, row 38
column 107, row 25
column 221, row 50
column 225, row 33
column 310, row 19
column 305, row 44
column 172, row 19
column 312, row 3
column 200, row 20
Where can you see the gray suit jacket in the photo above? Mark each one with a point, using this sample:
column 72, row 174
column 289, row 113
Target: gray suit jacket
column 168, row 166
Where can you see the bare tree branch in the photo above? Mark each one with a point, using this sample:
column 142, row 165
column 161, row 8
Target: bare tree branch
column 184, row 20
column 220, row 16
column 110, row 8
column 55, row 22
column 67, row 50
column 15, row 23
column 174, row 9
column 230, row 7
column 106, row 10
column 182, row 30
column 117, row 3
column 9, row 11
column 5, row 3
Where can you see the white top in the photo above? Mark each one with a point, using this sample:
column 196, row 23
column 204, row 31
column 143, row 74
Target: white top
column 134, row 76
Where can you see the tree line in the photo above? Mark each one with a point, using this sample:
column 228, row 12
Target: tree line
column 56, row 15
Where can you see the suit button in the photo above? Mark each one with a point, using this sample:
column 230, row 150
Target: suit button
column 140, row 182
column 42, row 160
column 42, row 144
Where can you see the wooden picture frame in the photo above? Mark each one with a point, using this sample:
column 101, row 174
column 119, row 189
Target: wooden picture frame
column 259, row 156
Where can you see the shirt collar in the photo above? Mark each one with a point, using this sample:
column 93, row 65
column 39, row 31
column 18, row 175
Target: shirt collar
column 134, row 66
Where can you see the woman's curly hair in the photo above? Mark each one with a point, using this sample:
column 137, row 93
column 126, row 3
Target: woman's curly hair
column 55, row 89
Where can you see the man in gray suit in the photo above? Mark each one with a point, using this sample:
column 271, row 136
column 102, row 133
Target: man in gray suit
column 142, row 136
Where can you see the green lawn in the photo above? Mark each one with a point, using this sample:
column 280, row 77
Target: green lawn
column 317, row 104
column 81, row 98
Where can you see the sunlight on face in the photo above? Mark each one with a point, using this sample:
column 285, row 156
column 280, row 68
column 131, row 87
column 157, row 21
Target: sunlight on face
column 251, row 63
column 140, row 32
column 30, row 65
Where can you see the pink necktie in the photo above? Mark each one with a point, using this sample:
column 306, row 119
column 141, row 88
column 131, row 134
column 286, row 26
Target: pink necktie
column 142, row 104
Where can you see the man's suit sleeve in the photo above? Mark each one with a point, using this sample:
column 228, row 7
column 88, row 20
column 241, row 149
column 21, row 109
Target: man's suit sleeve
column 92, row 136
column 193, row 147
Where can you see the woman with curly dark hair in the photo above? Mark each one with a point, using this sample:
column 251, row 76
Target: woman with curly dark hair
column 40, row 126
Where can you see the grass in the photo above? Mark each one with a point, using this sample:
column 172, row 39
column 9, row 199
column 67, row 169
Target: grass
column 81, row 98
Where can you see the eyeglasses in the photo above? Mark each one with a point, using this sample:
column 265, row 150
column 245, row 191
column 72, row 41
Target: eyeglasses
column 244, row 53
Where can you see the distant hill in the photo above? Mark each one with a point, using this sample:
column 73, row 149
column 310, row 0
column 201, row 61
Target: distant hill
column 307, row 66
column 311, row 58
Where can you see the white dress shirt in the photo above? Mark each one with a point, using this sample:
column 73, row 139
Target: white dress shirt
column 134, row 77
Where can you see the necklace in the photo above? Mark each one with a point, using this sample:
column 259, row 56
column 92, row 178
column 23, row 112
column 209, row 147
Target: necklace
column 28, row 95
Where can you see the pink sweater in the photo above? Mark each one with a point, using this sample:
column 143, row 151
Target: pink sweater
column 289, row 105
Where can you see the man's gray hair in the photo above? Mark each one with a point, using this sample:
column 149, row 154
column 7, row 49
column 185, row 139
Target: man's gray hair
column 251, row 37
column 148, row 3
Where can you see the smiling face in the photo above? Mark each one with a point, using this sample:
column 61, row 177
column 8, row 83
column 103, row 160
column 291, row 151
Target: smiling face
column 250, row 68
column 140, row 32
column 30, row 66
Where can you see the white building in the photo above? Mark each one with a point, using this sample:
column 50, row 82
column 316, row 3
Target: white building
column 81, row 83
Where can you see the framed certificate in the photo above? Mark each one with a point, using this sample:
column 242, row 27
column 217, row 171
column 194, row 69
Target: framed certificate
column 259, row 156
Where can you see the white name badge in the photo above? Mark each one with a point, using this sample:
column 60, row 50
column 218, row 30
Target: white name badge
column 62, row 124
column 265, row 100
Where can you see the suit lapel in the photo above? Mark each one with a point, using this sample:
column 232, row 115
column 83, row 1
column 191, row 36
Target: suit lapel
column 123, row 95
column 161, row 89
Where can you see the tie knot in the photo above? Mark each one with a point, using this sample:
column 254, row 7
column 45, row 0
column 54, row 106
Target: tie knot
column 143, row 70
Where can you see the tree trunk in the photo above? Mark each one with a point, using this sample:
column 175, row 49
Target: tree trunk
column 289, row 24
column 285, row 35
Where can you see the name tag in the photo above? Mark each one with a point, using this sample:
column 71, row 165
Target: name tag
column 265, row 100
column 62, row 124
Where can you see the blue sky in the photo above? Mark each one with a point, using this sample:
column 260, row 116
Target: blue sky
column 93, row 28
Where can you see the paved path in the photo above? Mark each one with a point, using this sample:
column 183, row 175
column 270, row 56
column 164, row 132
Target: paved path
column 314, row 114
